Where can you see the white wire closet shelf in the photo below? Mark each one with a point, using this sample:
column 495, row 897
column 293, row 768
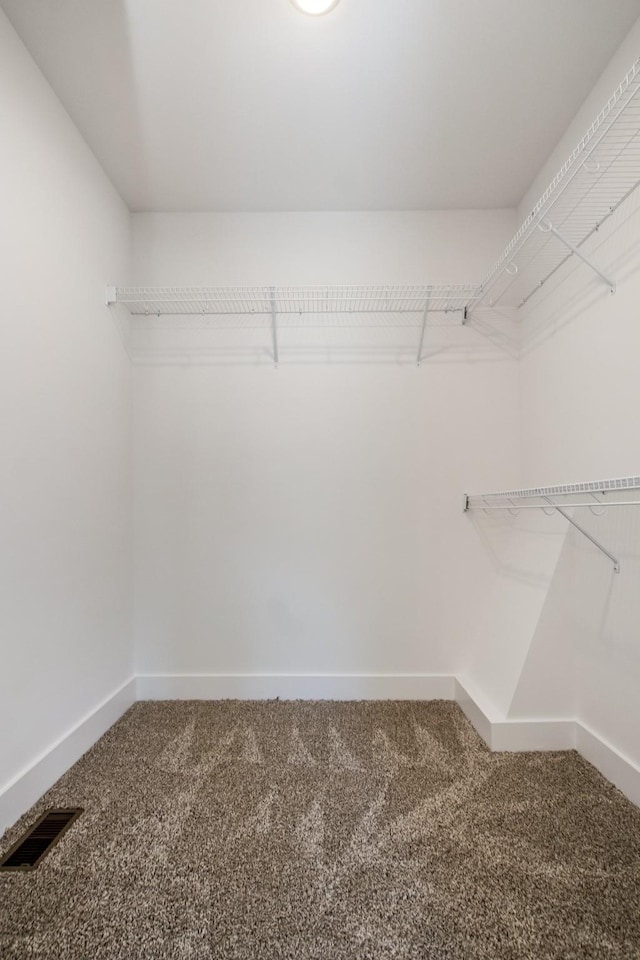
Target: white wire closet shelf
column 596, row 495
column 601, row 173
column 317, row 301
column 283, row 307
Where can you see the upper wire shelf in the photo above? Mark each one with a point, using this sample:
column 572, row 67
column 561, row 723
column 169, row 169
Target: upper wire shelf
column 246, row 301
column 409, row 305
column 600, row 174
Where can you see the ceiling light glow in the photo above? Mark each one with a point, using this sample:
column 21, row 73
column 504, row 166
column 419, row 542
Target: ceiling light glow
column 315, row 7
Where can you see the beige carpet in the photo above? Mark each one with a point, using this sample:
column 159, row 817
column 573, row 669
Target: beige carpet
column 326, row 830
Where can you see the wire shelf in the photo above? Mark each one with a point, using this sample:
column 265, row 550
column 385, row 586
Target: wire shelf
column 583, row 492
column 591, row 494
column 265, row 301
column 601, row 173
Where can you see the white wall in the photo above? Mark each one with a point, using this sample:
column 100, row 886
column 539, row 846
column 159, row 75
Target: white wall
column 524, row 551
column 559, row 637
column 627, row 53
column 580, row 402
column 318, row 248
column 64, row 422
column 308, row 519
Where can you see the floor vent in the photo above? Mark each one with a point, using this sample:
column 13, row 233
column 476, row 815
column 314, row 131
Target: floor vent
column 30, row 849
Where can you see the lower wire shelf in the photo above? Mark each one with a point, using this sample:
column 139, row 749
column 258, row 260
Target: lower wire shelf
column 596, row 495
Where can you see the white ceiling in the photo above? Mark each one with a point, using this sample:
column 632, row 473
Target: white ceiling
column 382, row 104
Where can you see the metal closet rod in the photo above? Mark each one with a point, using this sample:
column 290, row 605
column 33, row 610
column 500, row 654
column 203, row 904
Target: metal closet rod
column 592, row 489
column 540, row 506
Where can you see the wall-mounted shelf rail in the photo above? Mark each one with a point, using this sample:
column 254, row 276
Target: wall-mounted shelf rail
column 282, row 307
column 600, row 174
column 596, row 495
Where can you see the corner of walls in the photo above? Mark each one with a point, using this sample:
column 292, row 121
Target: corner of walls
column 470, row 705
column 545, row 702
column 612, row 764
column 504, row 734
column 611, row 76
column 27, row 786
column 548, row 735
column 524, row 552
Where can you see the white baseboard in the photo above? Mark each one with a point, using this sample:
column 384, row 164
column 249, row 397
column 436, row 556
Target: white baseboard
column 539, row 735
column 612, row 764
column 510, row 735
column 295, row 687
column 475, row 714
column 28, row 786
column 513, row 735
column 501, row 734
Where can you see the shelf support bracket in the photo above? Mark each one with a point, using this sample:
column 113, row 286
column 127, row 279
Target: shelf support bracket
column 549, row 228
column 274, row 327
column 596, row 543
column 424, row 327
column 110, row 296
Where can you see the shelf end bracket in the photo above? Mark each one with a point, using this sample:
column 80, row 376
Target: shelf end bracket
column 547, row 227
column 425, row 317
column 274, row 327
column 596, row 543
column 110, row 296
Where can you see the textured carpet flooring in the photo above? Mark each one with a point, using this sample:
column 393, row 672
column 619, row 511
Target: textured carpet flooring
column 317, row 831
